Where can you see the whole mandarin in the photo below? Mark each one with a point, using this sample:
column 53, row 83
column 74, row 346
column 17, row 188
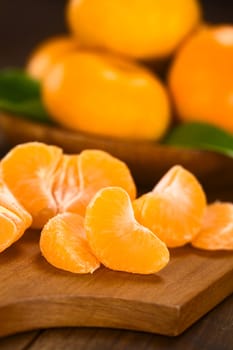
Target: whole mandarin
column 47, row 53
column 139, row 28
column 201, row 77
column 106, row 95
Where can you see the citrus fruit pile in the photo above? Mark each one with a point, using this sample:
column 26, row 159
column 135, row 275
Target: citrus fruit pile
column 104, row 77
column 86, row 208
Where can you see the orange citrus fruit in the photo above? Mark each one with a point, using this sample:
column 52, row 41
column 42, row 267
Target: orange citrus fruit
column 139, row 28
column 201, row 77
column 216, row 232
column 98, row 169
column 14, row 219
column 63, row 243
column 106, row 95
column 28, row 170
column 47, row 182
column 47, row 54
column 117, row 239
column 173, row 210
column 66, row 183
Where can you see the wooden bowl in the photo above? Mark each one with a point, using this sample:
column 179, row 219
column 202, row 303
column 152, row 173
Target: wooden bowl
column 148, row 161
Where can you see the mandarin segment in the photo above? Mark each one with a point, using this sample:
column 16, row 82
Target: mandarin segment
column 8, row 228
column 14, row 219
column 8, row 201
column 66, row 185
column 63, row 244
column 117, row 239
column 98, row 169
column 28, row 170
column 216, row 232
column 174, row 209
column 12, row 228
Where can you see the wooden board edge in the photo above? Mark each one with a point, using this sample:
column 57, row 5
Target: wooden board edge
column 74, row 311
column 204, row 301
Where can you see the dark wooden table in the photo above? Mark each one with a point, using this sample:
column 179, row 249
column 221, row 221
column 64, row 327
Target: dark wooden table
column 23, row 24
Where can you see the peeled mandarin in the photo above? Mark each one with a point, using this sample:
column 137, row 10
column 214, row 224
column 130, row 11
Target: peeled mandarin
column 201, row 77
column 28, row 170
column 139, row 29
column 216, row 232
column 63, row 244
column 48, row 53
column 98, row 169
column 117, row 239
column 174, row 209
column 106, row 95
column 79, row 177
column 66, row 186
column 47, row 182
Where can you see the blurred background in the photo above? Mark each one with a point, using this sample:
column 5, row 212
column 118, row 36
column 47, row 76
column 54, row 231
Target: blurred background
column 25, row 23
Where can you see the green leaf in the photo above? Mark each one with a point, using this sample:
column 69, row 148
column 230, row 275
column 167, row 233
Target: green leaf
column 20, row 95
column 201, row 136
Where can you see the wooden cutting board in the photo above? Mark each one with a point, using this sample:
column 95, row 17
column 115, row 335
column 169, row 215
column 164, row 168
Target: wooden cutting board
column 34, row 294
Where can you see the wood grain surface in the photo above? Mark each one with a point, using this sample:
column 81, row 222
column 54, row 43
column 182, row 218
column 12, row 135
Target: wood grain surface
column 213, row 332
column 35, row 295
